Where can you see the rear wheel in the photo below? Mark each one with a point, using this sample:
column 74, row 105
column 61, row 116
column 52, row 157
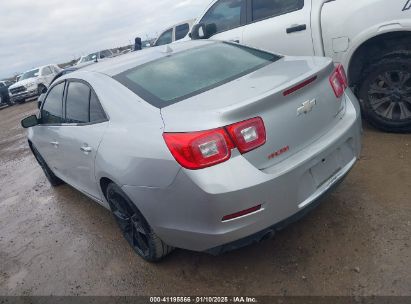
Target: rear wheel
column 135, row 228
column 386, row 94
column 53, row 179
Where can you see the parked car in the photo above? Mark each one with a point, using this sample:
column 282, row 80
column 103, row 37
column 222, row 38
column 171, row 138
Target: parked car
column 61, row 73
column 4, row 92
column 33, row 83
column 174, row 33
column 374, row 48
column 96, row 56
column 210, row 156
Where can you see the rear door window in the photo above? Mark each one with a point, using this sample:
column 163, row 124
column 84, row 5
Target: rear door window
column 182, row 31
column 262, row 9
column 52, row 111
column 96, row 111
column 225, row 15
column 77, row 103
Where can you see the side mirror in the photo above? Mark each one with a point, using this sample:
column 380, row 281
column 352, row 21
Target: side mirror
column 29, row 122
column 40, row 100
column 198, row 31
column 203, row 31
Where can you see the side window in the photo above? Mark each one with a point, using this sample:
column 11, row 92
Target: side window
column 165, row 38
column 96, row 111
column 46, row 71
column 52, row 111
column 77, row 103
column 225, row 14
column 182, row 31
column 262, row 9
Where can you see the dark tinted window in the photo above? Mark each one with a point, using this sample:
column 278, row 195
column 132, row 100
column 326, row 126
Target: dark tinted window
column 168, row 80
column 1, row 85
column 77, row 103
column 182, row 31
column 96, row 111
column 165, row 38
column 52, row 111
column 262, row 9
column 225, row 14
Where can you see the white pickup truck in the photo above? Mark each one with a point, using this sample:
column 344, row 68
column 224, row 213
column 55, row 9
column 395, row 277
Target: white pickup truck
column 371, row 38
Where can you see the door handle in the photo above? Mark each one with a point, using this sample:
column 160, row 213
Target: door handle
column 235, row 40
column 54, row 143
column 86, row 149
column 296, row 28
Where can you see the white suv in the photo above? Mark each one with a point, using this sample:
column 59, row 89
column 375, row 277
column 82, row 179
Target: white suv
column 174, row 33
column 32, row 83
column 371, row 38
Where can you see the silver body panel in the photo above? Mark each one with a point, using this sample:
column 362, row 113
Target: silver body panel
column 185, row 207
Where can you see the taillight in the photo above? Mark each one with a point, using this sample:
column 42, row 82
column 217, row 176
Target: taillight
column 198, row 150
column 338, row 80
column 248, row 135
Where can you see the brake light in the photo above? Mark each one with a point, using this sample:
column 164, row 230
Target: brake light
column 248, row 135
column 299, row 86
column 338, row 81
column 198, row 150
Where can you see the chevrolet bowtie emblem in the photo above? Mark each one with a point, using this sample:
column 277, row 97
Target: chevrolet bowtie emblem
column 306, row 107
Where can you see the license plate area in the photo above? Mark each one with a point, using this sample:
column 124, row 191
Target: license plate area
column 326, row 168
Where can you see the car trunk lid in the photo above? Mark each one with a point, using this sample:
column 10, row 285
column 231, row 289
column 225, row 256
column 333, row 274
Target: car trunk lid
column 293, row 96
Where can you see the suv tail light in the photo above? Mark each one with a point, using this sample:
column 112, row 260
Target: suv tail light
column 248, row 135
column 338, row 80
column 198, row 150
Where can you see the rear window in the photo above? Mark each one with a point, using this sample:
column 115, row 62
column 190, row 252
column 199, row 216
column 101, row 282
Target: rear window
column 182, row 75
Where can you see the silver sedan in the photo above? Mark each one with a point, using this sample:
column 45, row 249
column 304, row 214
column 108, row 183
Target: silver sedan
column 202, row 145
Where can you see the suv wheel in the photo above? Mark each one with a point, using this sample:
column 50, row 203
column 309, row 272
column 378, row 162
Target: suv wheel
column 386, row 94
column 41, row 89
column 135, row 228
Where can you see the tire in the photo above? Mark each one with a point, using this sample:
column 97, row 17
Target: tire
column 134, row 226
column 53, row 179
column 41, row 89
column 386, row 94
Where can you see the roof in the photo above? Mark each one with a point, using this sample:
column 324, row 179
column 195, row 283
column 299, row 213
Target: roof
column 119, row 64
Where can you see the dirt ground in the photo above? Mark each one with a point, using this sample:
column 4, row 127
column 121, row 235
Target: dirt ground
column 56, row 241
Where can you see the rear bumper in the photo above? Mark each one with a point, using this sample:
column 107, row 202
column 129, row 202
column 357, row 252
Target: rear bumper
column 188, row 214
column 23, row 95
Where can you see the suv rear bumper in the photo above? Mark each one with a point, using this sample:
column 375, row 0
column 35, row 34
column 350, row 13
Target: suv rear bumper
column 188, row 214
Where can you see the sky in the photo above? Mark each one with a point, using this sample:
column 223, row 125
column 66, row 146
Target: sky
column 40, row 32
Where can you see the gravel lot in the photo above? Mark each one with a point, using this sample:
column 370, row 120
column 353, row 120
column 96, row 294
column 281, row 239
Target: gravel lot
column 56, row 241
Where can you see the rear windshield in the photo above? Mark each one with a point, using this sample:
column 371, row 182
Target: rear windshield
column 182, row 75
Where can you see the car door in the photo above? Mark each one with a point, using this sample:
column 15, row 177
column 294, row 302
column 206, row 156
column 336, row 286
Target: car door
column 46, row 136
column 224, row 20
column 282, row 26
column 81, row 134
